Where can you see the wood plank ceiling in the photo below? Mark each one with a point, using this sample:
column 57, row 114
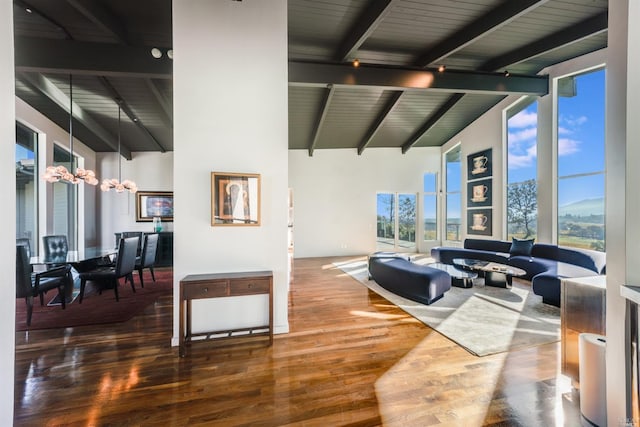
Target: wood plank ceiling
column 395, row 98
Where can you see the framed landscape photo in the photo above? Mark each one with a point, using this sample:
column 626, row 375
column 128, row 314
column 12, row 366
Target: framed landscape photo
column 479, row 165
column 150, row 204
column 235, row 199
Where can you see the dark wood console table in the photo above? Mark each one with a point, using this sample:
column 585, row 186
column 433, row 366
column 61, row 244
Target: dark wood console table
column 218, row 285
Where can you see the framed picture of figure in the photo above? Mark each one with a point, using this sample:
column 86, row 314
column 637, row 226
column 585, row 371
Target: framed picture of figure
column 235, row 199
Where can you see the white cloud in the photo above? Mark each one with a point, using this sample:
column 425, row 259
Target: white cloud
column 523, row 135
column 564, row 131
column 574, row 122
column 517, row 161
column 523, row 119
column 568, row 146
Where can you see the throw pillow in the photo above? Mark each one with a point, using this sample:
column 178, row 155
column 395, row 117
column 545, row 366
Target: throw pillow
column 521, row 247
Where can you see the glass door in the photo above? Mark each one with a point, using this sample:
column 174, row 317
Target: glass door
column 396, row 222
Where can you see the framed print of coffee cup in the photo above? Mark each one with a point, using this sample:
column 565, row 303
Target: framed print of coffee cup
column 479, row 222
column 479, row 193
column 479, row 165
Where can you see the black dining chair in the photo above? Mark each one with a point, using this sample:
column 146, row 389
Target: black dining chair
column 108, row 276
column 147, row 258
column 30, row 285
column 56, row 247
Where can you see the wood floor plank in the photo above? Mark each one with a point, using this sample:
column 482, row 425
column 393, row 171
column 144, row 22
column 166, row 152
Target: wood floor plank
column 351, row 359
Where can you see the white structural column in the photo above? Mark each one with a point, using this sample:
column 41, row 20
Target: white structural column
column 8, row 216
column 230, row 115
column 623, row 177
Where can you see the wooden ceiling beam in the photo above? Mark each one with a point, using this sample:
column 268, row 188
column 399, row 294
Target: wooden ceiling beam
column 373, row 14
column 490, row 21
column 323, row 74
column 557, row 40
column 326, row 102
column 377, row 124
column 432, row 120
column 87, row 58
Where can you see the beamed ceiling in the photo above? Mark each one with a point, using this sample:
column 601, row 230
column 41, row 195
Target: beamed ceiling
column 397, row 97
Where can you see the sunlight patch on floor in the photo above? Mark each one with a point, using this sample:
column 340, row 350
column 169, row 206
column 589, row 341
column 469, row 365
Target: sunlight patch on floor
column 420, row 382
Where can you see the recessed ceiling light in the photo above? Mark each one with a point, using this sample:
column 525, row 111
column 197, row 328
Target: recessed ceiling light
column 156, row 53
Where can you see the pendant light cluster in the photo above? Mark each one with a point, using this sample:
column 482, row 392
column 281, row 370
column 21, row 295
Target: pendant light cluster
column 117, row 184
column 61, row 173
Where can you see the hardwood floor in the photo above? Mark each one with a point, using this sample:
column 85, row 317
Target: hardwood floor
column 351, row 358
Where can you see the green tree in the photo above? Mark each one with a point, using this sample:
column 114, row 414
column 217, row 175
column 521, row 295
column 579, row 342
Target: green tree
column 522, row 206
column 407, row 219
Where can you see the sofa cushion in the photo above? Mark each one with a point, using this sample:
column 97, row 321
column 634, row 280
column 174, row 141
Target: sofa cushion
column 521, row 247
column 498, row 246
column 446, row 255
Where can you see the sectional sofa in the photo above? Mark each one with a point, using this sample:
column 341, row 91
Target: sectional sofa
column 545, row 264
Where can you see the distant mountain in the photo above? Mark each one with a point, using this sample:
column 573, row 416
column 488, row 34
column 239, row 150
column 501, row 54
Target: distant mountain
column 584, row 207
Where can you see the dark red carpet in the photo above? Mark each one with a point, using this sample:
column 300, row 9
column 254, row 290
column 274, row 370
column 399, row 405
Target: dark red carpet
column 96, row 308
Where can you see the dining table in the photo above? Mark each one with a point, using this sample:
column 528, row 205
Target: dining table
column 80, row 261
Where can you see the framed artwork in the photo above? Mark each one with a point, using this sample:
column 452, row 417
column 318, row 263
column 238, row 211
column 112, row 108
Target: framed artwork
column 150, row 204
column 479, row 165
column 479, row 222
column 479, row 193
column 235, row 198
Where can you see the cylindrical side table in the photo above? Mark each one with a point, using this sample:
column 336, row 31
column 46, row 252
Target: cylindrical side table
column 593, row 400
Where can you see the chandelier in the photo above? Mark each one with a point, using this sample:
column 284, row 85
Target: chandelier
column 117, row 184
column 61, row 173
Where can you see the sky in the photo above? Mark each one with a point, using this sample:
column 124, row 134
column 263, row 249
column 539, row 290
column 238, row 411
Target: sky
column 581, row 133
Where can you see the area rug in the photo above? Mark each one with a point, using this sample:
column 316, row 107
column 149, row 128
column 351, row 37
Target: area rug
column 96, row 308
column 483, row 319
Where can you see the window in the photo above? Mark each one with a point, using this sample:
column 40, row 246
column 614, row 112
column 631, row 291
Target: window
column 453, row 194
column 396, row 221
column 430, row 206
column 27, row 185
column 522, row 204
column 65, row 201
column 581, row 162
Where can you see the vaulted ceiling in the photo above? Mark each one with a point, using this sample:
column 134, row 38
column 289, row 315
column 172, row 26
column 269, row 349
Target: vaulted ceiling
column 396, row 97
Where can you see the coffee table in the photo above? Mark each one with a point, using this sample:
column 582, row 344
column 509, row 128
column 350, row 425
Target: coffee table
column 459, row 278
column 495, row 274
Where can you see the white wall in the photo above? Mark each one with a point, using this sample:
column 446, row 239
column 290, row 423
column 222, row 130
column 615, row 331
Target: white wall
column 230, row 115
column 334, row 195
column 484, row 133
column 8, row 216
column 151, row 171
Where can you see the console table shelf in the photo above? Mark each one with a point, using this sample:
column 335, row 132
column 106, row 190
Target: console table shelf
column 220, row 285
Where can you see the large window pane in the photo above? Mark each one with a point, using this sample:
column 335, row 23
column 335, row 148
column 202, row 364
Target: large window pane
column 522, row 200
column 26, row 186
column 430, row 207
column 453, row 195
column 581, row 124
column 65, row 201
column 581, row 212
column 407, row 221
column 581, row 163
column 386, row 230
column 396, row 229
